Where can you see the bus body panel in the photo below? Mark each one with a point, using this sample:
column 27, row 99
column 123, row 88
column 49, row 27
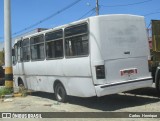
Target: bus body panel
column 114, row 69
column 82, row 87
column 124, row 36
column 77, row 67
column 120, row 44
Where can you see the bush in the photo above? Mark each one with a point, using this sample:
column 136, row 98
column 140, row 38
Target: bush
column 5, row 91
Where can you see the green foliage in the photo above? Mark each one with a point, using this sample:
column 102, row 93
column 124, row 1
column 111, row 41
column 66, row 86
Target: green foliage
column 1, row 58
column 4, row 91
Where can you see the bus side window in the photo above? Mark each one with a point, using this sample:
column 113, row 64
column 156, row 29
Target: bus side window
column 26, row 50
column 54, row 44
column 15, row 54
column 37, row 47
column 19, row 51
column 76, row 40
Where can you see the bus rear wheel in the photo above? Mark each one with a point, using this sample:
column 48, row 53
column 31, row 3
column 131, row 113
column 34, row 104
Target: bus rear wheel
column 60, row 93
column 157, row 83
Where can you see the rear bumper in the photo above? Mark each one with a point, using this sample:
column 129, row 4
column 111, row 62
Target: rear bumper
column 113, row 88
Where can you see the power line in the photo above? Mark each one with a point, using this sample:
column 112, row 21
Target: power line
column 93, row 12
column 149, row 25
column 47, row 18
column 158, row 12
column 121, row 5
column 93, row 9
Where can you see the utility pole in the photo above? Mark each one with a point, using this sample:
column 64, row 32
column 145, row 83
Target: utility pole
column 8, row 45
column 97, row 7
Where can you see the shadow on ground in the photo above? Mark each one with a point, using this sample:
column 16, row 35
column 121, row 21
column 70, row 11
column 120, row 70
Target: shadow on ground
column 112, row 102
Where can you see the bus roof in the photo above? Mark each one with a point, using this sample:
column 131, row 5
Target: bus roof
column 66, row 25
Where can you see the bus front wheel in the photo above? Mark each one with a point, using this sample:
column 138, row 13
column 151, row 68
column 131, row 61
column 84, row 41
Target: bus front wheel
column 60, row 93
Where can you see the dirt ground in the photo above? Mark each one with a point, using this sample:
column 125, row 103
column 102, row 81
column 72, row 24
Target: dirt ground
column 141, row 100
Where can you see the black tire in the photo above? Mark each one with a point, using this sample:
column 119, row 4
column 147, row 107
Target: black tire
column 60, row 93
column 157, row 83
column 20, row 82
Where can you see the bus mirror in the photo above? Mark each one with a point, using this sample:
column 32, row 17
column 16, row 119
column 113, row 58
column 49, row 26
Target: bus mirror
column 13, row 52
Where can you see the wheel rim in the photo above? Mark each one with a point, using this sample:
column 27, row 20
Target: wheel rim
column 60, row 93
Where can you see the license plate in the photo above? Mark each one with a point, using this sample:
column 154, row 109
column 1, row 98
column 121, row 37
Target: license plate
column 128, row 71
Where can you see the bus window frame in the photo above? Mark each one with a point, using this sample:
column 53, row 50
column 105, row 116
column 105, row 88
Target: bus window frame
column 52, row 40
column 29, row 49
column 15, row 57
column 19, row 42
column 32, row 60
column 81, row 34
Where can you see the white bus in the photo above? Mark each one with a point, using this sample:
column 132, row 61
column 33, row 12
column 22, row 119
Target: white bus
column 96, row 56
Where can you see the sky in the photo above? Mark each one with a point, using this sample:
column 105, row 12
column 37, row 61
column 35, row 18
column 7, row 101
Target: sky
column 26, row 13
